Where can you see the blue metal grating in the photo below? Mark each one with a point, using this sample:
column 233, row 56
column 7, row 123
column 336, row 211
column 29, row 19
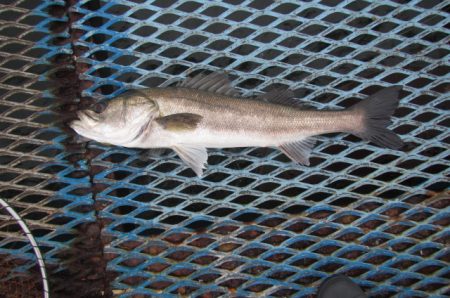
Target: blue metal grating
column 256, row 224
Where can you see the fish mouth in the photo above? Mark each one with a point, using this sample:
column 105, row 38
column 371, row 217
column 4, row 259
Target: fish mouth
column 80, row 127
column 87, row 121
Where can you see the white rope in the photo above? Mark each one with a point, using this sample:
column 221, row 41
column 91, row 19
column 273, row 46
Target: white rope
column 30, row 237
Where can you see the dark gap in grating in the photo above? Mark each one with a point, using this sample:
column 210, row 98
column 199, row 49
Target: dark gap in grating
column 196, row 207
column 382, row 10
column 267, row 187
column 242, row 32
column 357, row 5
column 195, row 40
column 221, row 212
column 216, row 28
column 360, row 22
column 145, row 48
column 142, row 14
column 167, row 19
column 145, row 31
column 146, row 197
column 189, row 6
column 239, row 16
column 192, row 23
column 432, row 20
column 10, row 15
column 439, row 186
column 263, row 20
column 285, row 8
column 341, row 51
column 199, row 225
column 290, row 25
column 295, row 209
column 223, row 44
column 194, row 189
column 171, row 202
column 219, row 194
column 244, row 199
column 428, row 3
column 173, row 219
column 338, row 34
column 270, row 204
column 335, row 17
column 213, row 11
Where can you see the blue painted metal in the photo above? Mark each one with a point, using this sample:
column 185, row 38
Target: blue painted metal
column 256, row 224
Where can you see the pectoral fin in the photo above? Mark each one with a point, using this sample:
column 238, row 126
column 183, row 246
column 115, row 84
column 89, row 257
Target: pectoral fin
column 179, row 122
column 195, row 157
column 299, row 151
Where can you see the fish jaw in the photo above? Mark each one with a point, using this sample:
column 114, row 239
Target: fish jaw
column 83, row 127
column 89, row 117
column 114, row 131
column 89, row 126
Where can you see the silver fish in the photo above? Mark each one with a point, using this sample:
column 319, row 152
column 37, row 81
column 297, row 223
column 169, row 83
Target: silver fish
column 206, row 112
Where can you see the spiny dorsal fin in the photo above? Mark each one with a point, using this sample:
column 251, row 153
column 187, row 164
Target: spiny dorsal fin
column 133, row 92
column 179, row 122
column 299, row 151
column 194, row 156
column 214, row 82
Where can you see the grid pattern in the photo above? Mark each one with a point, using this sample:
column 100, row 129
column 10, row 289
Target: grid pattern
column 29, row 139
column 36, row 96
column 256, row 224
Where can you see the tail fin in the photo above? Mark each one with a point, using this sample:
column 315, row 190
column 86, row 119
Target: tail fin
column 377, row 111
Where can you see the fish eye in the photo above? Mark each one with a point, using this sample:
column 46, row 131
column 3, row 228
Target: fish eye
column 99, row 107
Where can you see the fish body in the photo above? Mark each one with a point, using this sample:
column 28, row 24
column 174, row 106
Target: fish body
column 234, row 122
column 206, row 112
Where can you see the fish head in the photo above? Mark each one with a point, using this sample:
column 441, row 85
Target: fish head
column 118, row 122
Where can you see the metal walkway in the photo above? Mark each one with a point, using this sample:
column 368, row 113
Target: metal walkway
column 256, row 224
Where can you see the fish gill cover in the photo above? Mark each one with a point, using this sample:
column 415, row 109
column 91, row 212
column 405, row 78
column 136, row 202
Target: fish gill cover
column 256, row 224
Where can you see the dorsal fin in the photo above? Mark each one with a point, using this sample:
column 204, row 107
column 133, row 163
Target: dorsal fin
column 283, row 97
column 214, row 82
column 280, row 96
column 133, row 92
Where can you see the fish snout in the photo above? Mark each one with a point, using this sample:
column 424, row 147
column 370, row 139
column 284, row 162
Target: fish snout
column 88, row 117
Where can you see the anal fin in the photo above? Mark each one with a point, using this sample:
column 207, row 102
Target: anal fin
column 300, row 150
column 195, row 157
column 152, row 153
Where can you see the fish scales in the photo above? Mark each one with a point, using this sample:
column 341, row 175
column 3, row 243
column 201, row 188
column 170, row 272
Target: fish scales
column 268, row 123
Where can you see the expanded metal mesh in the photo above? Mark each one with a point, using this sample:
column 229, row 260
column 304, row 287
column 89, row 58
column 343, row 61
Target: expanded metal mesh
column 28, row 138
column 256, row 224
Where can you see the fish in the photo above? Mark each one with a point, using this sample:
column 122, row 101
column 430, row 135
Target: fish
column 206, row 111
